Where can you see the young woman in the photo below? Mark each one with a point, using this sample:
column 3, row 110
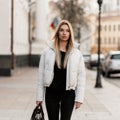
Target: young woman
column 61, row 75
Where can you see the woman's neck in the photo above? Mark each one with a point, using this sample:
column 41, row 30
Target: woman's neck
column 63, row 46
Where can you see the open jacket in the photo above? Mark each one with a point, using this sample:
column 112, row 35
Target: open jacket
column 75, row 77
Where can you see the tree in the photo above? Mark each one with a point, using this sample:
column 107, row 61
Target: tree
column 73, row 11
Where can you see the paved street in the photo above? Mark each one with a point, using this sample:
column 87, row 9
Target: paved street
column 114, row 79
column 17, row 98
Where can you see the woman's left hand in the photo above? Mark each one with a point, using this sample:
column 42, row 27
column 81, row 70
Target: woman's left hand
column 77, row 105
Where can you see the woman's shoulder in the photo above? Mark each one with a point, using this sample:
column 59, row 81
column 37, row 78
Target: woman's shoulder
column 46, row 51
column 49, row 47
column 50, row 44
column 76, row 45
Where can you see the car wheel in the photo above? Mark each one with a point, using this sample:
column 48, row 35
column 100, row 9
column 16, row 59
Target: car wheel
column 103, row 73
column 107, row 74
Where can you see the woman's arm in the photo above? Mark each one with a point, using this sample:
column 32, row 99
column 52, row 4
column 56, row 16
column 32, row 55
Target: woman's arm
column 40, row 86
column 80, row 89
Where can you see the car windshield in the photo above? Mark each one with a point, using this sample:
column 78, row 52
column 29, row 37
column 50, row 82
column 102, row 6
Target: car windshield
column 117, row 56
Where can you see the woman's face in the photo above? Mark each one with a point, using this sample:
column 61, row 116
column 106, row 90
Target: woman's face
column 64, row 33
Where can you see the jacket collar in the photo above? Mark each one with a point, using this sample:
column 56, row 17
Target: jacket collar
column 50, row 44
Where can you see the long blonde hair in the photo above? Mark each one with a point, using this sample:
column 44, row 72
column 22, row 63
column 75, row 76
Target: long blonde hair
column 69, row 46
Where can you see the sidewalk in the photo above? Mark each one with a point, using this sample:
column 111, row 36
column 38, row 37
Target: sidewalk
column 17, row 98
column 100, row 103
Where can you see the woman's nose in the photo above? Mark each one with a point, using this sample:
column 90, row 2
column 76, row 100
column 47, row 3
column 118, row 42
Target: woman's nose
column 64, row 32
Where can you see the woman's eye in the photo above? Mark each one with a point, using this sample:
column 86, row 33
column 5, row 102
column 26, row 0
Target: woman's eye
column 61, row 30
column 68, row 30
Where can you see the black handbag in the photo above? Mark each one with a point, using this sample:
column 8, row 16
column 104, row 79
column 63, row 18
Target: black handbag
column 38, row 113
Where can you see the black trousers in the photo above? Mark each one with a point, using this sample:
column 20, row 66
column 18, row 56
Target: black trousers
column 59, row 102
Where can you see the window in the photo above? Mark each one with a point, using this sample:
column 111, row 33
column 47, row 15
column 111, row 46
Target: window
column 118, row 40
column 105, row 40
column 118, row 2
column 114, row 40
column 105, row 27
column 109, row 27
column 96, row 41
column 117, row 56
column 118, row 27
column 109, row 40
column 104, row 8
column 114, row 27
column 101, row 40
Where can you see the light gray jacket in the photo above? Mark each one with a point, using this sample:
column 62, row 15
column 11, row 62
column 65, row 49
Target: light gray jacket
column 75, row 78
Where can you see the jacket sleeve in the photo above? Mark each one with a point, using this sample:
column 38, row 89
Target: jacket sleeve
column 40, row 86
column 80, row 89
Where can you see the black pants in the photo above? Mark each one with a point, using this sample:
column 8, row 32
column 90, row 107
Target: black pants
column 59, row 102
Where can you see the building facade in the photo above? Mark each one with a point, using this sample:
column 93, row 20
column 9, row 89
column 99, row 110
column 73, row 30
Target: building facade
column 110, row 37
column 23, row 33
column 5, row 35
column 110, row 27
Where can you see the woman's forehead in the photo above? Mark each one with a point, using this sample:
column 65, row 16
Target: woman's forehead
column 64, row 26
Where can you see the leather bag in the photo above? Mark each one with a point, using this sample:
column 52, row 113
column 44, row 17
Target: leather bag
column 38, row 113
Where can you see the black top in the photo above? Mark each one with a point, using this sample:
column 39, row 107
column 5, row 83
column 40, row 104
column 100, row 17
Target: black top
column 59, row 80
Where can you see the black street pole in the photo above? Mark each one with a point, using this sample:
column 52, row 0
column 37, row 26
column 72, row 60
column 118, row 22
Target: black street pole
column 78, row 35
column 12, row 35
column 98, row 79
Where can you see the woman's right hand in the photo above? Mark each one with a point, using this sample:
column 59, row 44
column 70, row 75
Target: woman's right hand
column 38, row 103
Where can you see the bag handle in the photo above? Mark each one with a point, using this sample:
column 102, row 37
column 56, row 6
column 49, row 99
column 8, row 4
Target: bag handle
column 41, row 110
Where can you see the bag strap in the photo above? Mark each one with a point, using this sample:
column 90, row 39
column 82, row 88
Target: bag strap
column 41, row 110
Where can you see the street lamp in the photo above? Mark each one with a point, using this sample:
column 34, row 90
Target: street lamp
column 98, row 78
column 78, row 35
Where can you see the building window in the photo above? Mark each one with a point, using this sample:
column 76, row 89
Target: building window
column 96, row 41
column 105, row 27
column 114, row 27
column 109, row 27
column 109, row 40
column 118, row 2
column 119, row 43
column 114, row 40
column 119, row 40
column 104, row 8
column 101, row 40
column 118, row 27
column 105, row 42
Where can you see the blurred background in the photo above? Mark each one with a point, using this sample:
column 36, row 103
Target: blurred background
column 27, row 25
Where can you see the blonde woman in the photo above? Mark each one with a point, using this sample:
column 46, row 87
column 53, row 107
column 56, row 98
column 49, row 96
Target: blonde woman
column 61, row 75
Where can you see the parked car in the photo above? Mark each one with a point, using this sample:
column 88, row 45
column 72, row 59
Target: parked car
column 111, row 63
column 86, row 58
column 93, row 61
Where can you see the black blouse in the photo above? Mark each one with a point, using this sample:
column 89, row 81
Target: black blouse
column 59, row 80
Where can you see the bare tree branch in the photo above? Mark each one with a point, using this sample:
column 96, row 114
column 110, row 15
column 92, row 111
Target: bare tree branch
column 73, row 11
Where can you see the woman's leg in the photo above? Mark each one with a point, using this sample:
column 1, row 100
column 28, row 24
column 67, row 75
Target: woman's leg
column 52, row 105
column 67, row 104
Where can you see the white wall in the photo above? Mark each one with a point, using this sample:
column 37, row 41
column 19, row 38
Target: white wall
column 5, row 21
column 41, row 26
column 21, row 42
